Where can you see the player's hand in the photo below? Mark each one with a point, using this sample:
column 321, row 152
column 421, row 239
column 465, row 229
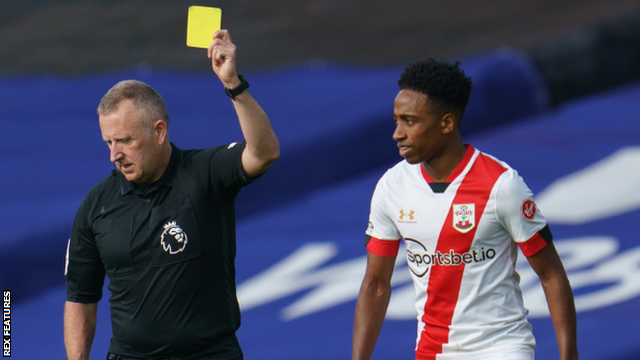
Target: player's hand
column 222, row 53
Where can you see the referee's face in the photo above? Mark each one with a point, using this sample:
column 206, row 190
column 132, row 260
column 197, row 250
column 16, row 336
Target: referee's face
column 133, row 147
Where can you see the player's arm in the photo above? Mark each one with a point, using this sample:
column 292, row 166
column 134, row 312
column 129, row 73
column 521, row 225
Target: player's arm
column 520, row 216
column 79, row 329
column 262, row 147
column 371, row 307
column 546, row 263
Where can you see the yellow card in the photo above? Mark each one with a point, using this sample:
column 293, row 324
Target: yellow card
column 202, row 22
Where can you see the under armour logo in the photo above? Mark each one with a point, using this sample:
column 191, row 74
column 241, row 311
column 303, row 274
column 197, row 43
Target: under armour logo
column 410, row 214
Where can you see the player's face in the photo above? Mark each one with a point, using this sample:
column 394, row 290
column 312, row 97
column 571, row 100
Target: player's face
column 133, row 147
column 418, row 127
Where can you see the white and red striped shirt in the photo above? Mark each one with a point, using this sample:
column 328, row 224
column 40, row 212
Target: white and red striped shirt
column 461, row 246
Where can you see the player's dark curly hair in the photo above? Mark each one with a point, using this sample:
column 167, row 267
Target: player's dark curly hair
column 445, row 84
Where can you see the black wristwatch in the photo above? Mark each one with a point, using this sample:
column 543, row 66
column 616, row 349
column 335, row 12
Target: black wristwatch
column 232, row 93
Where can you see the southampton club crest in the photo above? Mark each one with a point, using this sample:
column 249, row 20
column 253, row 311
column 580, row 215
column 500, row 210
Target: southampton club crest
column 464, row 218
column 173, row 238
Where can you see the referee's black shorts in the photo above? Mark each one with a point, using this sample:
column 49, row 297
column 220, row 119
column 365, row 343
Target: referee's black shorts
column 226, row 349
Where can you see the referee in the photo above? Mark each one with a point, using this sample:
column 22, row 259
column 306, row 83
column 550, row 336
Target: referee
column 162, row 228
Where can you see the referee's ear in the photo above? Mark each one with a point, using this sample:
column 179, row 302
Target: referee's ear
column 160, row 131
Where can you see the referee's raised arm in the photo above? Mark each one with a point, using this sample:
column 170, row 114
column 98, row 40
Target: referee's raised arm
column 262, row 147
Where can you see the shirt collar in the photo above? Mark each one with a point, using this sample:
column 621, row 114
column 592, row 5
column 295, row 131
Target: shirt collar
column 457, row 171
column 165, row 181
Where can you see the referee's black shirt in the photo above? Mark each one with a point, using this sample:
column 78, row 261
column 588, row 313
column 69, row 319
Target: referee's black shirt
column 168, row 249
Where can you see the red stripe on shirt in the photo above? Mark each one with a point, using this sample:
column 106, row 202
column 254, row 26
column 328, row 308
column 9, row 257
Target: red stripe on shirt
column 457, row 171
column 533, row 245
column 386, row 248
column 445, row 281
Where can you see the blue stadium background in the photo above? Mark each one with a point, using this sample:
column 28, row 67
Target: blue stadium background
column 571, row 130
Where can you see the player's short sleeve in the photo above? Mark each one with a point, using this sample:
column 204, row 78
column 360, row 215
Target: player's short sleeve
column 519, row 214
column 382, row 235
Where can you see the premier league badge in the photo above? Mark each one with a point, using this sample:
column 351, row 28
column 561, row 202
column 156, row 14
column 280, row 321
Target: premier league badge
column 464, row 217
column 173, row 239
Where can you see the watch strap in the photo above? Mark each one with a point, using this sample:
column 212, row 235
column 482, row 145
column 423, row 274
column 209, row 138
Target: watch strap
column 232, row 93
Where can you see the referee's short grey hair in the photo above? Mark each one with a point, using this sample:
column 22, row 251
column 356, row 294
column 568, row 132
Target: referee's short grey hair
column 145, row 98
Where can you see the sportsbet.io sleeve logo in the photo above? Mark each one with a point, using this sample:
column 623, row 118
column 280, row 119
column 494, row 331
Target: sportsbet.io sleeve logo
column 464, row 217
column 529, row 209
column 173, row 239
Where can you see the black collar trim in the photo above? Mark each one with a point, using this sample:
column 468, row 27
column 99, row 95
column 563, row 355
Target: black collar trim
column 439, row 187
